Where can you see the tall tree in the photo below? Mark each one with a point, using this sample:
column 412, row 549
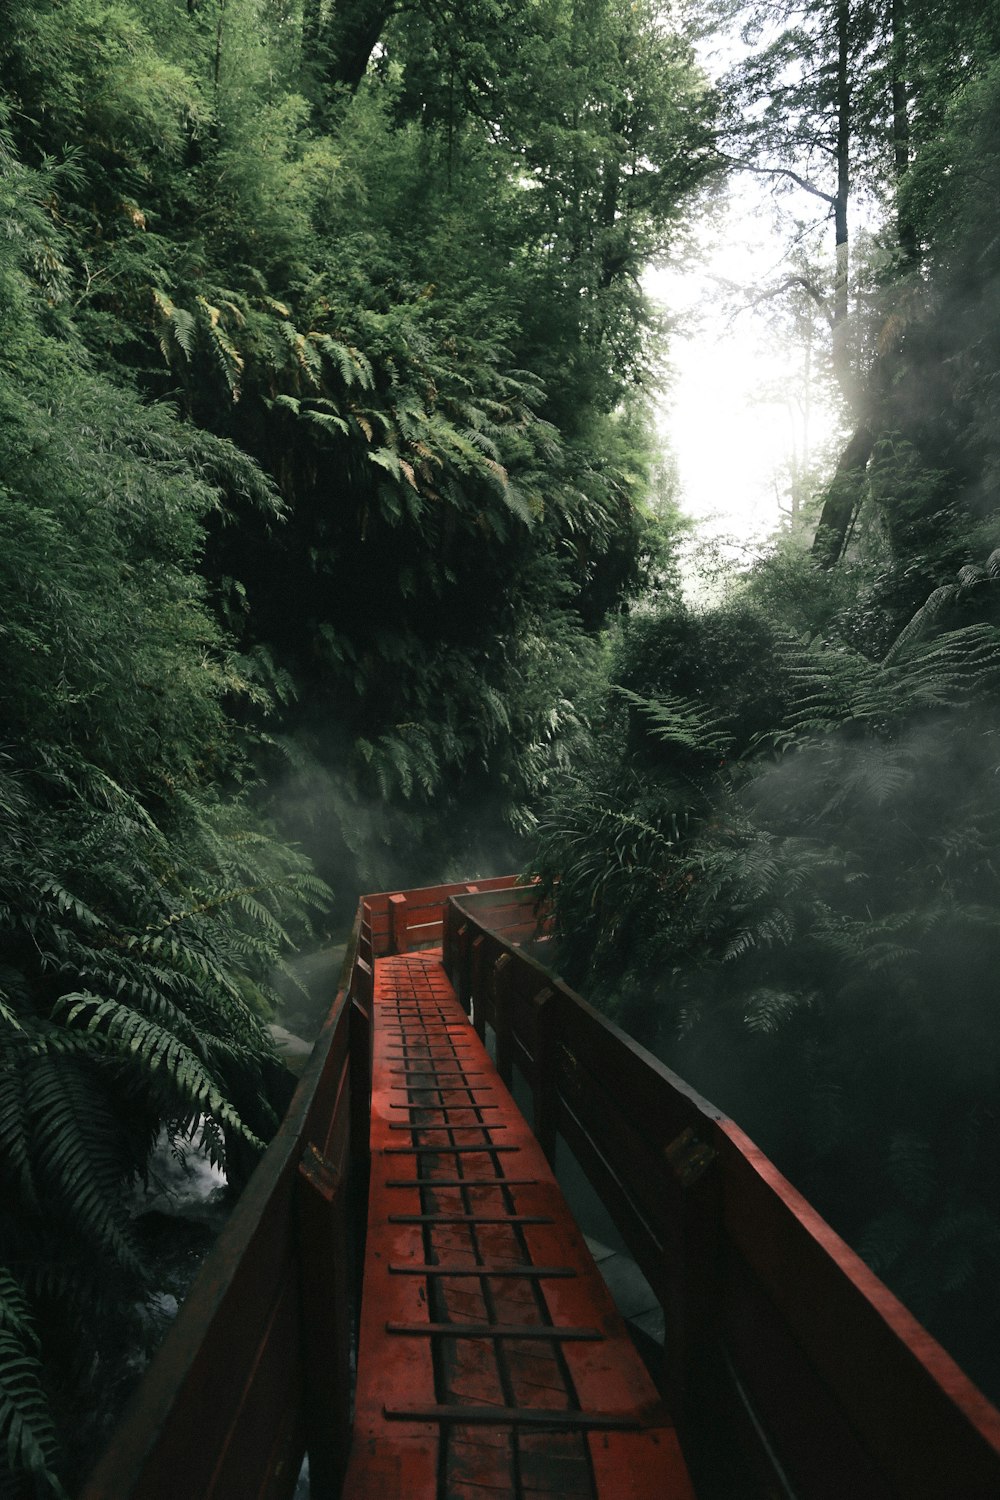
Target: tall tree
column 823, row 109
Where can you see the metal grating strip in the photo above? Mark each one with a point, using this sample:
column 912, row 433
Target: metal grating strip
column 521, row 1416
column 496, row 1331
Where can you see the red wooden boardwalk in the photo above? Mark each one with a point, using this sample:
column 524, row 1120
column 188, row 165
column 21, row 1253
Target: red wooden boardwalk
column 492, row 1359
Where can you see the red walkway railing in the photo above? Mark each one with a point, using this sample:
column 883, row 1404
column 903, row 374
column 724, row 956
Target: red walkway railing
column 780, row 1345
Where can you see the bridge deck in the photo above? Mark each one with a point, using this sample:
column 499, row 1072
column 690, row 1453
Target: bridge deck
column 492, row 1359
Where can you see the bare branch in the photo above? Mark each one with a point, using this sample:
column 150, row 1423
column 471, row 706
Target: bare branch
column 809, row 287
column 802, row 182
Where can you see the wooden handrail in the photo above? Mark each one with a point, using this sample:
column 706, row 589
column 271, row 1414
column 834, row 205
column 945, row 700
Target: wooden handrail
column 776, row 1331
column 398, row 921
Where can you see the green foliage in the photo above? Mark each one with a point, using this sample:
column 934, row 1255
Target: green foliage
column 143, row 904
column 806, row 930
column 778, row 863
column 678, row 723
column 25, row 1422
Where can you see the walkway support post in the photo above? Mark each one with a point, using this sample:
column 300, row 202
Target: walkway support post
column 360, row 1043
column 501, row 1019
column 477, row 986
column 321, row 1203
column 546, row 1099
column 398, row 935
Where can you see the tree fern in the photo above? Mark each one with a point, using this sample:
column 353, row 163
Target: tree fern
column 938, row 602
column 833, row 686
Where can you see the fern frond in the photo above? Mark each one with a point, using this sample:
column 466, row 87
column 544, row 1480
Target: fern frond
column 15, row 1134
column 306, row 358
column 871, row 773
column 228, row 358
column 387, row 459
column 834, row 687
column 179, row 327
column 767, row 1010
column 76, row 1148
column 136, row 1039
column 328, row 421
column 27, row 1433
column 353, row 366
column 678, row 721
column 69, row 904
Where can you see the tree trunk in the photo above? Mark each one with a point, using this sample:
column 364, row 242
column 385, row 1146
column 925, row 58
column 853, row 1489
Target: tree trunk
column 841, row 344
column 901, row 123
column 350, row 35
column 843, row 496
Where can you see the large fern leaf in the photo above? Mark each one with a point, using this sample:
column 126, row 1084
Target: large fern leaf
column 679, row 722
column 137, row 1040
column 77, row 1153
column 27, row 1434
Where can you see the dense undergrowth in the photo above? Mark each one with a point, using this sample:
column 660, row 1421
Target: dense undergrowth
column 779, row 864
column 791, row 894
column 143, row 902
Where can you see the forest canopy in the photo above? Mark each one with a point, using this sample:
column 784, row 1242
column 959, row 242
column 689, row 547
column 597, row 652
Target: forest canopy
column 339, row 554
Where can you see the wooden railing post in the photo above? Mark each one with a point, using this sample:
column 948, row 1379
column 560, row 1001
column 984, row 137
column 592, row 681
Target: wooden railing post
column 326, row 1324
column 366, row 944
column 360, row 1044
column 477, row 980
column 501, row 1019
column 456, row 948
column 449, row 925
column 691, row 1273
column 398, row 935
column 362, row 982
column 546, row 1101
column 460, row 978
